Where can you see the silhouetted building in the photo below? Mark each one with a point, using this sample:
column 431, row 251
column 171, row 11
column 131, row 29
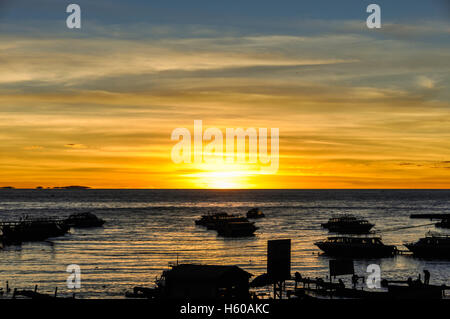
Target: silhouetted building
column 205, row 282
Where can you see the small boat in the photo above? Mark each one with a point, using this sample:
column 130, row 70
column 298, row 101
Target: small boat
column 228, row 225
column 214, row 221
column 255, row 213
column 210, row 218
column 84, row 220
column 347, row 246
column 348, row 224
column 431, row 246
column 444, row 223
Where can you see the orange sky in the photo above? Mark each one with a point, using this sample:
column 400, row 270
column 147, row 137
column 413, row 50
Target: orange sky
column 354, row 110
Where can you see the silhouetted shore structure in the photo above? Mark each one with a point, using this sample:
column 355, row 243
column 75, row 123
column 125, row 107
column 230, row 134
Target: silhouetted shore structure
column 191, row 281
column 213, row 282
column 16, row 293
column 228, row 225
column 348, row 224
column 319, row 288
column 34, row 294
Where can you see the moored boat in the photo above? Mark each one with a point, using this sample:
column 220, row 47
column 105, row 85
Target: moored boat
column 228, row 225
column 431, row 246
column 214, row 221
column 348, row 246
column 205, row 220
column 348, row 224
column 84, row 220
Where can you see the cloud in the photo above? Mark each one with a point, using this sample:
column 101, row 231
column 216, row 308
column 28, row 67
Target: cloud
column 350, row 104
column 425, row 82
column 75, row 146
column 33, row 147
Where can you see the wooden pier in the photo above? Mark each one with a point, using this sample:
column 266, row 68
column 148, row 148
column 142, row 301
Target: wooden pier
column 430, row 216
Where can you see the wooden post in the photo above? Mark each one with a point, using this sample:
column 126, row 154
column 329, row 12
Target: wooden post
column 56, row 291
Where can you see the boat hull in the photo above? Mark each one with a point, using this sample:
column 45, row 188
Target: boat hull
column 429, row 251
column 374, row 251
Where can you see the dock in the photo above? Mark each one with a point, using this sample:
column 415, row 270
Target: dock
column 430, row 216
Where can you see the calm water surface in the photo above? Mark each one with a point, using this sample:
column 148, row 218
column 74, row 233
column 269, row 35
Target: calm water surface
column 146, row 230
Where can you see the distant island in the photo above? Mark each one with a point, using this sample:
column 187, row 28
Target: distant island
column 72, row 187
column 64, row 187
column 56, row 187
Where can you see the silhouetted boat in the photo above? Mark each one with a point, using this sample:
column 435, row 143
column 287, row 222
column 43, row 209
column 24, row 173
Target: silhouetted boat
column 347, row 246
column 348, row 224
column 209, row 219
column 255, row 213
column 32, row 230
column 214, row 221
column 84, row 220
column 445, row 223
column 228, row 225
column 431, row 246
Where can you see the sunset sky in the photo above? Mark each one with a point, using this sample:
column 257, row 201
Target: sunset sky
column 355, row 107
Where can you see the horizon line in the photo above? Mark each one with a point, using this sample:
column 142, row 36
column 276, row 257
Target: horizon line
column 212, row 189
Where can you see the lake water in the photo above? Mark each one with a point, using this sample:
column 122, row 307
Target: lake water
column 146, row 230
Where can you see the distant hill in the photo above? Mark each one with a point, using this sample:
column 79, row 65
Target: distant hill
column 72, row 187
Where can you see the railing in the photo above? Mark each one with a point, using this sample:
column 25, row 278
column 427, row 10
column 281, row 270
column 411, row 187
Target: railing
column 436, row 235
column 31, row 220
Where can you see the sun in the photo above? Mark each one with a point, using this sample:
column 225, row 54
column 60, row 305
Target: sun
column 221, row 179
column 223, row 185
column 226, row 176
